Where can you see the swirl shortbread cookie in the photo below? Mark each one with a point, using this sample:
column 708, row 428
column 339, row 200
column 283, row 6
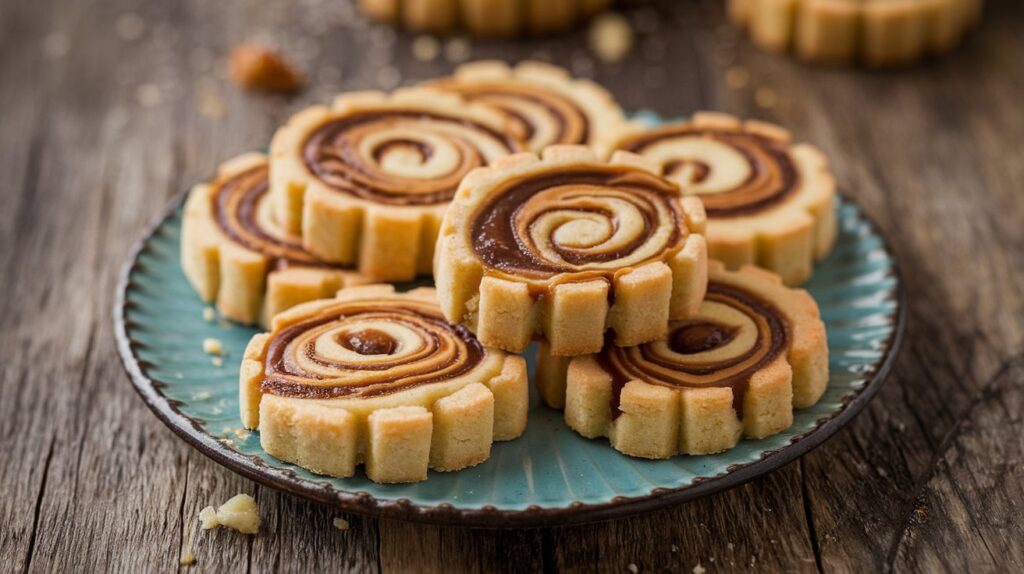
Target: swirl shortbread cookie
column 876, row 32
column 543, row 101
column 768, row 202
column 378, row 378
column 367, row 181
column 754, row 351
column 235, row 254
column 565, row 246
column 486, row 18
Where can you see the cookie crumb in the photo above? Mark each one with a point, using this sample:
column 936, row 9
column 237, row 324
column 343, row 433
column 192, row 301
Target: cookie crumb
column 238, row 513
column 633, row 568
column 257, row 68
column 737, row 78
column 187, row 558
column 208, row 314
column 211, row 106
column 213, row 346
column 458, row 50
column 208, row 518
column 611, row 37
column 217, row 361
column 766, row 98
column 426, row 48
column 698, row 569
column 340, row 523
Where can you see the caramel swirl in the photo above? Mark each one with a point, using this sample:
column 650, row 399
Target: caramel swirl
column 594, row 220
column 734, row 335
column 735, row 173
column 361, row 349
column 544, row 116
column 401, row 157
column 243, row 212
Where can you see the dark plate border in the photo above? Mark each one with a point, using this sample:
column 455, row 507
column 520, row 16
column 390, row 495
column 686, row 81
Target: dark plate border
column 488, row 516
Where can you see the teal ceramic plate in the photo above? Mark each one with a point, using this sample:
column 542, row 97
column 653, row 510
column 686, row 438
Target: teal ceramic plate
column 550, row 475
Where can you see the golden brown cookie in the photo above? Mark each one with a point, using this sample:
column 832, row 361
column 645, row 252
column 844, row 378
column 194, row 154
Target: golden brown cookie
column 566, row 247
column 485, row 18
column 236, row 255
column 543, row 101
column 367, row 181
column 875, row 32
column 379, row 378
column 755, row 351
column 769, row 202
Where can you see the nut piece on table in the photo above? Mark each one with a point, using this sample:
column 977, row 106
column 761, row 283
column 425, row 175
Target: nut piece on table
column 255, row 67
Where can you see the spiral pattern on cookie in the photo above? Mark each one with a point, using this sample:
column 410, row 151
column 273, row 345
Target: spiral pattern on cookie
column 544, row 117
column 594, row 220
column 735, row 173
column 734, row 335
column 400, row 157
column 243, row 212
column 368, row 348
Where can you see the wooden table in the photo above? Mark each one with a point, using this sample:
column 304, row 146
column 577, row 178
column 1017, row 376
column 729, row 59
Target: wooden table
column 108, row 108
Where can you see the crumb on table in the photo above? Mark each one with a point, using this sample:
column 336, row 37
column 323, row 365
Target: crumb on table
column 187, row 558
column 238, row 513
column 611, row 37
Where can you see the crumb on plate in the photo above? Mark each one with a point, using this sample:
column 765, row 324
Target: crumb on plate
column 213, row 346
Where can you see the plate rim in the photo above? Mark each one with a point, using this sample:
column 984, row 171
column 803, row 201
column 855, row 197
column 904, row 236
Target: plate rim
column 533, row 516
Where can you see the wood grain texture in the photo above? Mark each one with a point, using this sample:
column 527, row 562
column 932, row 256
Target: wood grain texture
column 103, row 120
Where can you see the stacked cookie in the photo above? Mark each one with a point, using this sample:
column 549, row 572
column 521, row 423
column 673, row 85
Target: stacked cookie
column 875, row 32
column 543, row 215
column 484, row 18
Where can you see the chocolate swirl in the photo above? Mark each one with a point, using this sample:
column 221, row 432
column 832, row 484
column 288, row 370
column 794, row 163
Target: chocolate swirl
column 243, row 212
column 401, row 157
column 734, row 335
column 367, row 348
column 544, row 116
column 590, row 221
column 735, row 173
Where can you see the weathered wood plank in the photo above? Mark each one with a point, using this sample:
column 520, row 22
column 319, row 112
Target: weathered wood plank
column 21, row 410
column 108, row 486
column 760, row 526
column 407, row 547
